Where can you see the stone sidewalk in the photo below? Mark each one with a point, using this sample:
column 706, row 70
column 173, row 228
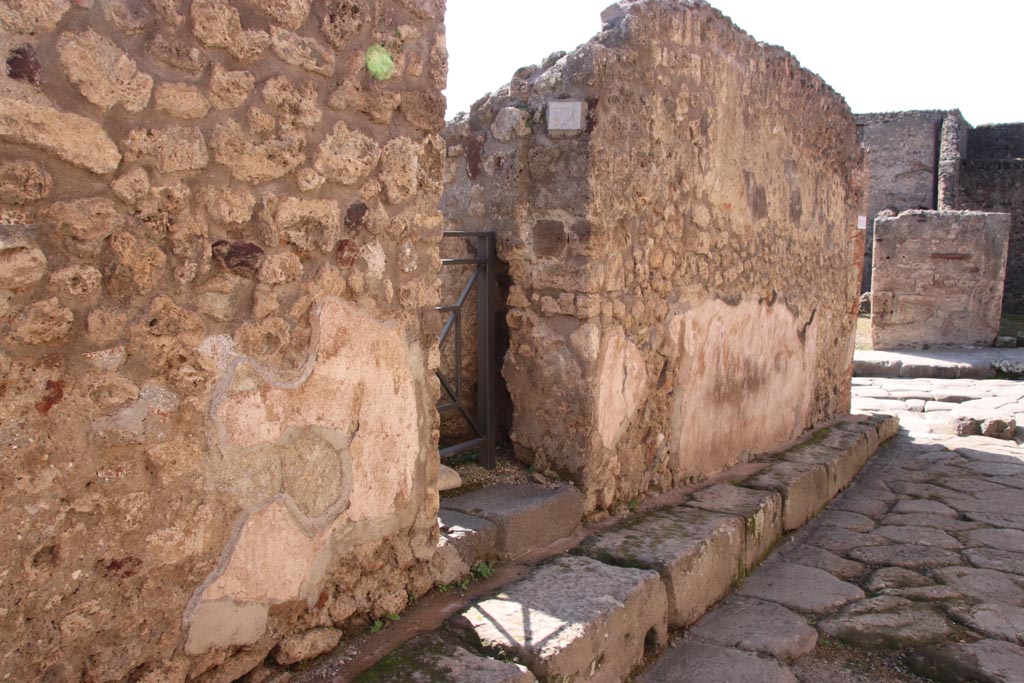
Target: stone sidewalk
column 920, row 562
column 955, row 363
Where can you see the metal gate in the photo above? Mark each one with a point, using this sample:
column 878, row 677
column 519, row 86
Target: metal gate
column 483, row 279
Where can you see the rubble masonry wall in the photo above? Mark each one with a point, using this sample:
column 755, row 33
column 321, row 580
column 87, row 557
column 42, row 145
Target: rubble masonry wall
column 217, row 342
column 684, row 268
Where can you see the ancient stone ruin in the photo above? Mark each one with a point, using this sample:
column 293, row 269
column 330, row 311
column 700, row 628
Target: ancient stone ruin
column 934, row 164
column 218, row 268
column 219, row 282
column 677, row 205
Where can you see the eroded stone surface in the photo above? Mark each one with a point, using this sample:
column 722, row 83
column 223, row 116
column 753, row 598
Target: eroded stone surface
column 574, row 617
column 71, row 137
column 804, row 589
column 432, row 657
column 757, row 626
column 696, row 662
column 986, row 660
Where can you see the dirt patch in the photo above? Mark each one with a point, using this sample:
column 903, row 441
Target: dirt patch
column 839, row 663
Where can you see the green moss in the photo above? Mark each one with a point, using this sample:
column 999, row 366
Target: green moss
column 379, row 62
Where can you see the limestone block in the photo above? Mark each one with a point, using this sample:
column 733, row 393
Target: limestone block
column 254, row 160
column 73, row 138
column 22, row 262
column 217, row 24
column 181, row 100
column 804, row 489
column 574, row 618
column 528, row 516
column 761, row 512
column 346, row 156
column 301, row 51
column 289, row 13
column 699, row 554
column 400, row 168
column 622, row 386
column 43, row 322
column 229, row 89
column 32, row 16
column 104, row 74
column 23, row 181
column 307, row 645
column 296, row 105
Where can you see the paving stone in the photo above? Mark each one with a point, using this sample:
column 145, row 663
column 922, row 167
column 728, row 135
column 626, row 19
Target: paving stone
column 895, row 577
column 931, row 521
column 925, row 593
column 983, row 585
column 999, row 560
column 811, row 556
column 432, row 658
column 996, row 469
column 997, row 519
column 804, row 488
column 924, row 507
column 854, row 500
column 1000, row 539
column 907, row 556
column 757, row 626
column 918, row 535
column 847, row 520
column 879, row 405
column 695, row 662
column 474, row 538
column 837, row 540
column 574, row 617
column 887, row 622
column 805, row 589
column 527, row 516
column 993, row 620
column 986, row 661
column 1016, row 482
column 967, row 484
column 699, row 554
column 760, row 510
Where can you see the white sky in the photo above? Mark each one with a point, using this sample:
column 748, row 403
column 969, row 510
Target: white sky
column 882, row 55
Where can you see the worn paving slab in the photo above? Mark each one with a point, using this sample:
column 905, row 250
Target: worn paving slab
column 757, row 626
column 574, row 618
column 696, row 662
column 699, row 554
column 433, row 658
column 986, row 661
column 804, row 589
column 888, row 622
column 527, row 516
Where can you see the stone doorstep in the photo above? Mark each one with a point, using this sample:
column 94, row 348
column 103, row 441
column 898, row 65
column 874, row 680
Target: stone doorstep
column 574, row 619
column 527, row 516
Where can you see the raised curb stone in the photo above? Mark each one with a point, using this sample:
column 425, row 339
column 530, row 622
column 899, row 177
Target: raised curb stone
column 804, row 489
column 760, row 510
column 527, row 516
column 574, row 618
column 697, row 553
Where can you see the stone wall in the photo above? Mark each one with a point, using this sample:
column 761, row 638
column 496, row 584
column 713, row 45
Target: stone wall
column 681, row 243
column 217, row 277
column 993, row 180
column 938, row 278
column 903, row 149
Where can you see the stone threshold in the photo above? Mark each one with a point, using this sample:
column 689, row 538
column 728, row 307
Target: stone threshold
column 602, row 600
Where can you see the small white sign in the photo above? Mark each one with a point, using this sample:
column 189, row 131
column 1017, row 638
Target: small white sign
column 565, row 115
column 862, row 222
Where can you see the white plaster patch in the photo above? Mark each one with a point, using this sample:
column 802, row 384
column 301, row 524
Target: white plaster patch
column 622, row 385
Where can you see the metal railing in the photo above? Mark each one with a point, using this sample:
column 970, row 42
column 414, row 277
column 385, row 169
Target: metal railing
column 483, row 423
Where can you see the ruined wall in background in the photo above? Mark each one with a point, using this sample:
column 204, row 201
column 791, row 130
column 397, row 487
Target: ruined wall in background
column 938, row 278
column 684, row 263
column 904, row 153
column 993, row 180
column 217, row 277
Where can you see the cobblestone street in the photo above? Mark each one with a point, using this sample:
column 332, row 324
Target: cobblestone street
column 920, row 561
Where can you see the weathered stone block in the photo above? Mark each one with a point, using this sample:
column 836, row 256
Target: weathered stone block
column 528, row 516
column 574, row 618
column 699, row 554
column 804, row 487
column 761, row 512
